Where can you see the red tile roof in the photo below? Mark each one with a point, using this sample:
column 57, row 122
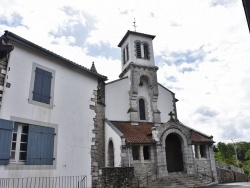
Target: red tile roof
column 200, row 138
column 135, row 133
column 142, row 133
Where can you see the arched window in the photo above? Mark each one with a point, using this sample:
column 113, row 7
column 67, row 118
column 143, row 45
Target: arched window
column 142, row 109
column 146, row 51
column 138, row 49
column 110, row 153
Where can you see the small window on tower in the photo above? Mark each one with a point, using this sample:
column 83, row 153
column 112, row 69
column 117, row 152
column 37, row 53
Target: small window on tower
column 138, row 49
column 146, row 51
column 123, row 56
column 127, row 53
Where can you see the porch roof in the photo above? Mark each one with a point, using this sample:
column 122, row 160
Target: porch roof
column 140, row 133
column 200, row 138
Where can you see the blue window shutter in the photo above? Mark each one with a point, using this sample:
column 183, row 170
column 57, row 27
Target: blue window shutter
column 38, row 83
column 46, row 88
column 6, row 128
column 42, row 86
column 40, row 145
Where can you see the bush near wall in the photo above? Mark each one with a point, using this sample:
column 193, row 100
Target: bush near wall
column 228, row 176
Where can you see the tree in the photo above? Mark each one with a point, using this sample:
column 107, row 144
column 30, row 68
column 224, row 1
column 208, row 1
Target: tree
column 247, row 155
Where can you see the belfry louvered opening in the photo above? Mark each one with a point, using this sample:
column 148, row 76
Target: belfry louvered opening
column 138, row 50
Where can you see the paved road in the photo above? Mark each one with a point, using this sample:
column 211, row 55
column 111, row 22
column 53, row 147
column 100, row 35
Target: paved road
column 232, row 185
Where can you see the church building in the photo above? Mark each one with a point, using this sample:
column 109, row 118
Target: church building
column 142, row 129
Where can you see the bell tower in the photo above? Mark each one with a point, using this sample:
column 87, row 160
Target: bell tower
column 137, row 48
column 137, row 63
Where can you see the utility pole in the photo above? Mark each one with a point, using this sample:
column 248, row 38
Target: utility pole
column 235, row 152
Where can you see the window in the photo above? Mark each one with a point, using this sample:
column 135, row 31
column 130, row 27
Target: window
column 146, row 51
column 146, row 152
column 25, row 143
column 142, row 109
column 136, row 152
column 127, row 53
column 19, row 143
column 124, row 56
column 138, row 49
column 42, row 86
column 139, row 46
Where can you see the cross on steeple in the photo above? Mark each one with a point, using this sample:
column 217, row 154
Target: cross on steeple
column 134, row 24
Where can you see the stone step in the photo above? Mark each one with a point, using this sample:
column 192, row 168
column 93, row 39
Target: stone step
column 178, row 180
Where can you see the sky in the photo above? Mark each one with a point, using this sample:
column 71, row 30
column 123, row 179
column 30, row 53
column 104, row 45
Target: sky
column 202, row 49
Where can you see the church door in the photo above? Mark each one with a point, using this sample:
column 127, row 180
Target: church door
column 174, row 153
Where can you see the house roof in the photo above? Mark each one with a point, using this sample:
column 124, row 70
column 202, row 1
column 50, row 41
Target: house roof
column 246, row 5
column 141, row 133
column 200, row 138
column 13, row 37
column 134, row 33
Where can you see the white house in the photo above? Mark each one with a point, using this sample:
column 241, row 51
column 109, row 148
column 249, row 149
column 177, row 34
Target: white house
column 45, row 118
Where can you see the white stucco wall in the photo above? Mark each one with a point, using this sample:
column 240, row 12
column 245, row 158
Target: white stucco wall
column 110, row 134
column 70, row 115
column 165, row 103
column 117, row 100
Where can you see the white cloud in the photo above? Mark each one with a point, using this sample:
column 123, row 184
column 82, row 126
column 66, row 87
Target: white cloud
column 202, row 49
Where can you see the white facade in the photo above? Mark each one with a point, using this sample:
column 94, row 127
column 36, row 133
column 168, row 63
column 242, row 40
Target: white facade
column 112, row 136
column 165, row 103
column 69, row 115
column 117, row 99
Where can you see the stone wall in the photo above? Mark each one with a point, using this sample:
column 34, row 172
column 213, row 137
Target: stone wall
column 117, row 177
column 141, row 169
column 98, row 146
column 203, row 166
column 227, row 176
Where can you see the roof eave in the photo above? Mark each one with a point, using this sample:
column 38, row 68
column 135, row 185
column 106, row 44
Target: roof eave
column 134, row 33
column 246, row 5
column 153, row 142
column 22, row 41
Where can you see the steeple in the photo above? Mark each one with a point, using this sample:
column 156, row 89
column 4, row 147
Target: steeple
column 137, row 62
column 137, row 48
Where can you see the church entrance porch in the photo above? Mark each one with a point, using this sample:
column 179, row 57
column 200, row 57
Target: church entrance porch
column 174, row 157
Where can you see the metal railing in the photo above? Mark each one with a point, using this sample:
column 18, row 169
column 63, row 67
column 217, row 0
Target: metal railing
column 45, row 182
